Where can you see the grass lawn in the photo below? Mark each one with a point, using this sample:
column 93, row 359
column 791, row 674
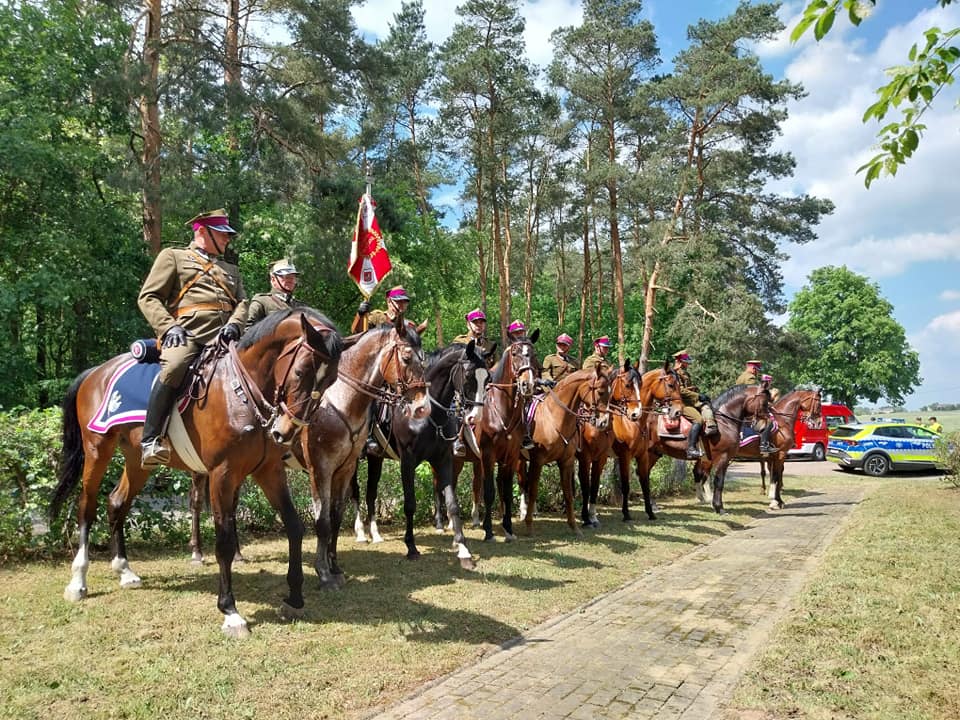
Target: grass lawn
column 874, row 635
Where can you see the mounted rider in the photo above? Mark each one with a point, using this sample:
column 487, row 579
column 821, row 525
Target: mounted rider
column 477, row 331
column 696, row 405
column 560, row 364
column 191, row 297
column 601, row 348
column 751, row 376
column 515, row 331
column 283, row 281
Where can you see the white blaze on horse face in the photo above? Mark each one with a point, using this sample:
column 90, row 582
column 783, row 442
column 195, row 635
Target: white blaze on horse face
column 527, row 380
column 481, row 375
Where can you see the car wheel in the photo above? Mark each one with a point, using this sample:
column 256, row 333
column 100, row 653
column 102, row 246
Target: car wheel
column 818, row 452
column 876, row 465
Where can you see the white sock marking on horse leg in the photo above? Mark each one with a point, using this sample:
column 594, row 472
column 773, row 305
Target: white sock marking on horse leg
column 128, row 578
column 462, row 552
column 475, row 515
column 375, row 532
column 234, row 624
column 523, row 506
column 358, row 529
column 592, row 513
column 317, row 509
column 76, row 590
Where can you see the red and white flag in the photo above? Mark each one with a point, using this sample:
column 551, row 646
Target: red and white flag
column 369, row 260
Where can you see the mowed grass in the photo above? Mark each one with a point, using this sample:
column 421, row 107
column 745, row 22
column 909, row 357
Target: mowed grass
column 876, row 632
column 158, row 651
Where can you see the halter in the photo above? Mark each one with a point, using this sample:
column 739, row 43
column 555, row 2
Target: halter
column 514, row 381
column 619, row 406
column 455, row 411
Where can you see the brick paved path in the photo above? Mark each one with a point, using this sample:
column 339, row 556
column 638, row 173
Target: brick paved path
column 671, row 644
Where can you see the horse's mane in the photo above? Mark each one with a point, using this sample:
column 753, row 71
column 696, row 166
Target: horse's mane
column 267, row 327
column 443, row 357
column 496, row 374
column 730, row 393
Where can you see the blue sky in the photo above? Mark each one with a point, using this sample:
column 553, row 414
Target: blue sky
column 903, row 233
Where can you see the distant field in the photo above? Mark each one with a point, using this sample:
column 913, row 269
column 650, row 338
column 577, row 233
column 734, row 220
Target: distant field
column 950, row 419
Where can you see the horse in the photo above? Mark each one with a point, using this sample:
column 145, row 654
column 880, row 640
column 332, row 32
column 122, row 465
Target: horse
column 784, row 411
column 456, row 378
column 290, row 358
column 732, row 408
column 635, row 399
column 596, row 445
column 385, row 364
column 579, row 398
column 499, row 431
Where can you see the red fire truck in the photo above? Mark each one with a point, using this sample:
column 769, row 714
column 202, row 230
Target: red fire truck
column 812, row 442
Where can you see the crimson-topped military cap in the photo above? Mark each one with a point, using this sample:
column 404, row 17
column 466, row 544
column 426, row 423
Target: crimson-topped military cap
column 214, row 219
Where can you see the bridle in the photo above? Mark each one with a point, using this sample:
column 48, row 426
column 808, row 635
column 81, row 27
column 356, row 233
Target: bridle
column 457, row 410
column 753, row 416
column 516, row 375
column 621, row 405
column 393, row 393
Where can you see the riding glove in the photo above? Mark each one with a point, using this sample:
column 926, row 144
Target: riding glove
column 230, row 332
column 364, row 308
column 174, row 337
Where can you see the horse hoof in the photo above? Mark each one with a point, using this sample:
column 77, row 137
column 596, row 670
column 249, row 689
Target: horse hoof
column 340, row 579
column 475, row 524
column 720, row 511
column 439, row 530
column 595, row 524
column 489, row 538
column 509, row 537
column 288, row 612
column 74, row 594
column 413, row 555
column 196, row 561
column 329, row 583
column 234, row 626
column 468, row 564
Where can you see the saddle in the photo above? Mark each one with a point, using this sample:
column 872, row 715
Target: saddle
column 748, row 434
column 668, row 429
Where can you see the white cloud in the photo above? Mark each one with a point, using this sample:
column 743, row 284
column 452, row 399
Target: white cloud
column 939, row 347
column 948, row 295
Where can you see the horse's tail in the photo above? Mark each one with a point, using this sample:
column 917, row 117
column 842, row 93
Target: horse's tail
column 71, row 456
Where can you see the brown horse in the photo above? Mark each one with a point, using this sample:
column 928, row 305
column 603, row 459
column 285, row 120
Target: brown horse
column 578, row 399
column 498, row 431
column 383, row 364
column 236, row 430
column 734, row 407
column 785, row 412
column 635, row 400
column 596, row 444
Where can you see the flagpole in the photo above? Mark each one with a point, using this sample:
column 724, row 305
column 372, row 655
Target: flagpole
column 369, row 180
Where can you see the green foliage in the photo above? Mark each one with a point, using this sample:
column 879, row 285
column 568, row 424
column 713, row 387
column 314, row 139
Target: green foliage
column 914, row 86
column 948, row 453
column 856, row 349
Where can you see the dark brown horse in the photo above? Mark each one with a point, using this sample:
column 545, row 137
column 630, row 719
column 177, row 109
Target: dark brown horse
column 635, row 401
column 596, row 444
column 785, row 412
column 498, row 432
column 383, row 364
column 456, row 377
column 253, row 403
column 579, row 399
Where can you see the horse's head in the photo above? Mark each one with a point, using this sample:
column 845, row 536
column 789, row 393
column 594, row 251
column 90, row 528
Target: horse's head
column 401, row 367
column 521, row 365
column 594, row 395
column 661, row 387
column 625, row 392
column 303, row 370
column 471, row 378
column 810, row 404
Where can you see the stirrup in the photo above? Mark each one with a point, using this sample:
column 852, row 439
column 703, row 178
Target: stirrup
column 459, row 449
column 527, row 443
column 373, row 448
column 767, row 449
column 694, row 454
column 711, row 430
column 154, row 453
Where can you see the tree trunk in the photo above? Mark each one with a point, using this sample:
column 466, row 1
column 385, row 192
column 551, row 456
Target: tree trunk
column 615, row 242
column 150, row 127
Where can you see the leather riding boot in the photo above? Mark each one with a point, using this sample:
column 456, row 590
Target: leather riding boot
column 153, row 451
column 709, row 421
column 765, row 447
column 693, row 452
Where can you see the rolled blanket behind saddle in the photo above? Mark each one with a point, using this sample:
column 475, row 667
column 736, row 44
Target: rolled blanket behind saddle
column 145, row 351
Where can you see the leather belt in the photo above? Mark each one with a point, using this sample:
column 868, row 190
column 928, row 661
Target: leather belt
column 218, row 306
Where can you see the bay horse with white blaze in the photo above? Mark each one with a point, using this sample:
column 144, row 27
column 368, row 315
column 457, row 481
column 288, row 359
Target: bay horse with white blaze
column 290, row 358
column 635, row 401
column 456, row 378
column 499, row 430
column 385, row 364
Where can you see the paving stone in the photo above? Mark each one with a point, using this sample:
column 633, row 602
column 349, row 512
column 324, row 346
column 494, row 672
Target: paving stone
column 670, row 644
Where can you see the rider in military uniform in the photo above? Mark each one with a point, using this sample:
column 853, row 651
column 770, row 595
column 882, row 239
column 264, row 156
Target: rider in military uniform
column 283, row 281
column 191, row 297
column 696, row 405
column 476, row 331
column 750, row 374
column 560, row 364
column 601, row 348
column 397, row 303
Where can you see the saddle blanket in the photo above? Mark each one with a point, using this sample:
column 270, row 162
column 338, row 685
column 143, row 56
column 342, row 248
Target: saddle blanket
column 532, row 409
column 125, row 399
column 748, row 434
column 672, row 431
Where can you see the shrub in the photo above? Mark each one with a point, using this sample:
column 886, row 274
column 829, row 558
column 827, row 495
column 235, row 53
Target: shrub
column 948, row 452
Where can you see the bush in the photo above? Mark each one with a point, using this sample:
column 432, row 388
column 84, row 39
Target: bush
column 948, row 452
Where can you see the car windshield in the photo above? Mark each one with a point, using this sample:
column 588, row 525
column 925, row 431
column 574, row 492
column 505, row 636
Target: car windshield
column 845, row 431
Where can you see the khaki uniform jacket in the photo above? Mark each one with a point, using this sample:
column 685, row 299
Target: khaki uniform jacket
column 262, row 304
column 379, row 317
column 747, row 378
column 198, row 292
column 596, row 359
column 557, row 366
column 485, row 346
column 689, row 391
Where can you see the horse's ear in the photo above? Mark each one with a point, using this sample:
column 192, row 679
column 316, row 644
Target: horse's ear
column 313, row 336
column 534, row 336
column 626, row 364
column 471, row 346
column 492, row 351
column 666, row 365
column 421, row 327
column 399, row 324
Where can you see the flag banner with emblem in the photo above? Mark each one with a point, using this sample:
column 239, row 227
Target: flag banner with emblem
column 369, row 260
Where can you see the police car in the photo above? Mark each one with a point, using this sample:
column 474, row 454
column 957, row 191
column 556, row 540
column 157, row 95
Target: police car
column 878, row 448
